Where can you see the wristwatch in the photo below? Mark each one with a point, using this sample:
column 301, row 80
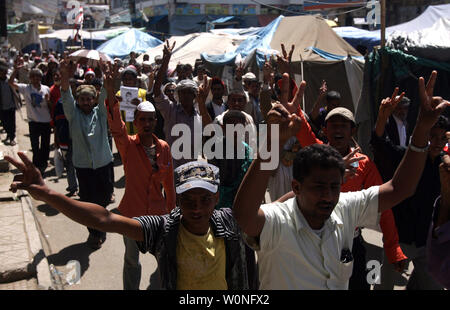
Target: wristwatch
column 418, row 149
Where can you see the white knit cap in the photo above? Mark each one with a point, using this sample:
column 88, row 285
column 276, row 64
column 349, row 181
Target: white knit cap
column 146, row 106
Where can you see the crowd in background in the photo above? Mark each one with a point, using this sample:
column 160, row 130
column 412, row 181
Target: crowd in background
column 82, row 106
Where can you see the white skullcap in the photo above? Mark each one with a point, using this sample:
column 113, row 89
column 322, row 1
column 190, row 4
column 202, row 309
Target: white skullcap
column 146, row 106
column 249, row 76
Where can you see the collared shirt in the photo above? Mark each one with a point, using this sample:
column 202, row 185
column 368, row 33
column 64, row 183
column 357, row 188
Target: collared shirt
column 438, row 250
column 218, row 109
column 89, row 132
column 366, row 175
column 160, row 239
column 401, row 128
column 292, row 256
column 143, row 194
column 174, row 114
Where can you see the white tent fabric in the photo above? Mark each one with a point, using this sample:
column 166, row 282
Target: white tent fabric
column 354, row 74
column 104, row 35
column 426, row 20
column 432, row 43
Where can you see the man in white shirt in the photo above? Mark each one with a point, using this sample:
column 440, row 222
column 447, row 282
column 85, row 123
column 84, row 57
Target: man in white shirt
column 306, row 242
column 38, row 105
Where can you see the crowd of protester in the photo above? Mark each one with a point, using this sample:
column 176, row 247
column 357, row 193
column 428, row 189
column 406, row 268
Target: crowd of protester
column 206, row 220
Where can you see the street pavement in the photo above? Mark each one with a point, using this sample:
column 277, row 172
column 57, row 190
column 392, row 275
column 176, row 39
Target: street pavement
column 42, row 249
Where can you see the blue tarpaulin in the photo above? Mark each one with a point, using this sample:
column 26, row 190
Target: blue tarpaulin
column 132, row 40
column 222, row 20
column 355, row 36
column 259, row 40
column 330, row 56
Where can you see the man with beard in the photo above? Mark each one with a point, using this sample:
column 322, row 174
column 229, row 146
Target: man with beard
column 148, row 167
column 305, row 242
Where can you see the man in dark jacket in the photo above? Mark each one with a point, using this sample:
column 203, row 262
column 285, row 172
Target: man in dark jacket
column 413, row 215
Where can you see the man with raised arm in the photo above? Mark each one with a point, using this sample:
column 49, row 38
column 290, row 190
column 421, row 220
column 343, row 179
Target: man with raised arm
column 196, row 246
column 91, row 156
column 148, row 167
column 182, row 112
column 413, row 215
column 305, row 242
column 438, row 243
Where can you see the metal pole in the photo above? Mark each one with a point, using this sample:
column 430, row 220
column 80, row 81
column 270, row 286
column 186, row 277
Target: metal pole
column 383, row 23
column 132, row 8
column 303, row 78
column 3, row 22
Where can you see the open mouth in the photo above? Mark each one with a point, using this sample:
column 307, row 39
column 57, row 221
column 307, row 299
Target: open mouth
column 325, row 208
column 196, row 217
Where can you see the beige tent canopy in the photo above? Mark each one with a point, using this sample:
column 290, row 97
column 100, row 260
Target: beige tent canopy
column 344, row 76
column 189, row 47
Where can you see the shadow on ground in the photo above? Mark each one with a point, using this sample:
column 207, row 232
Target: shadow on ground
column 79, row 252
column 47, row 210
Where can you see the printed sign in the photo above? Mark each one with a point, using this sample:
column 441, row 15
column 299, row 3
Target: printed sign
column 188, row 9
column 244, row 9
column 217, row 9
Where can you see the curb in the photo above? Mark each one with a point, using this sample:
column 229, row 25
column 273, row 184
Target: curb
column 39, row 264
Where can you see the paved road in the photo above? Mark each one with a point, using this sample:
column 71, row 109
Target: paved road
column 64, row 240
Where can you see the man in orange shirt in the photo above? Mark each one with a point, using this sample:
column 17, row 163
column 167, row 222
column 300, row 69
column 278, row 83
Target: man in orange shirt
column 339, row 128
column 148, row 166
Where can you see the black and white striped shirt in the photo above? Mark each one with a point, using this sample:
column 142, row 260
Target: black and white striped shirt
column 160, row 239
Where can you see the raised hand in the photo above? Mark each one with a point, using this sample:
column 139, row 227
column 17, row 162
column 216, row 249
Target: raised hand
column 30, row 180
column 388, row 105
column 430, row 106
column 67, row 68
column 168, row 50
column 323, row 89
column 268, row 71
column 239, row 71
column 292, row 106
column 289, row 124
column 18, row 63
column 109, row 75
column 203, row 91
column 284, row 61
column 351, row 164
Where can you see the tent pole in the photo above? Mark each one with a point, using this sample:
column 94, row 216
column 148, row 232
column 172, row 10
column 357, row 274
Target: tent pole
column 383, row 23
column 303, row 78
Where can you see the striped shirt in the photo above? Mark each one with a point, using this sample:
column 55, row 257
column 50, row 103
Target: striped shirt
column 160, row 238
